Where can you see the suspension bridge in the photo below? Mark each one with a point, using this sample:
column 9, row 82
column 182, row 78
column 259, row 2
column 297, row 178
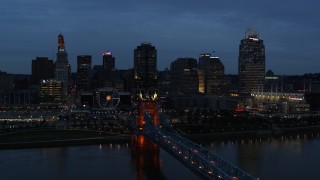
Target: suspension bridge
column 150, row 122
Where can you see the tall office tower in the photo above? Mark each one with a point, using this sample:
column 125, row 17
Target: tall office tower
column 184, row 76
column 108, row 61
column 42, row 68
column 62, row 66
column 83, row 72
column 211, row 74
column 251, row 67
column 145, row 71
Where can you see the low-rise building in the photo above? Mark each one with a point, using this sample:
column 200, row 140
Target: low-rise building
column 50, row 93
column 279, row 102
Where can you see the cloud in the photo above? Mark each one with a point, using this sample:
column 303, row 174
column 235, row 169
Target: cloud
column 177, row 28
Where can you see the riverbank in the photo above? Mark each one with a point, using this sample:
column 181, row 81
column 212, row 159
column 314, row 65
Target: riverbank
column 251, row 134
column 55, row 138
column 60, row 138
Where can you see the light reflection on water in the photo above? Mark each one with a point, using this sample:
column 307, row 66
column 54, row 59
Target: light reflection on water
column 102, row 161
column 283, row 157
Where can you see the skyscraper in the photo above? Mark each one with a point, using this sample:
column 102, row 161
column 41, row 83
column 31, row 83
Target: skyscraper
column 108, row 61
column 83, row 72
column 145, row 70
column 184, row 76
column 42, row 68
column 211, row 74
column 251, row 67
column 62, row 66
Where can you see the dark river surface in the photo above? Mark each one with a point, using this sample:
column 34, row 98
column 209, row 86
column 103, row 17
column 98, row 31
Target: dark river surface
column 287, row 157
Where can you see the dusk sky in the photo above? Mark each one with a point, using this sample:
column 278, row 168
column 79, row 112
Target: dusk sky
column 177, row 28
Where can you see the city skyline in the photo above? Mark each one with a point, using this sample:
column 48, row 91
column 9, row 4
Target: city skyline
column 289, row 31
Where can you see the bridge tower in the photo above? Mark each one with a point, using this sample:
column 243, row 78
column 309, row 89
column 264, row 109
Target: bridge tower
column 144, row 151
column 147, row 106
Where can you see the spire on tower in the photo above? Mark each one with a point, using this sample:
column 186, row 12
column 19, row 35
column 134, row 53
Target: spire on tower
column 60, row 40
column 61, row 43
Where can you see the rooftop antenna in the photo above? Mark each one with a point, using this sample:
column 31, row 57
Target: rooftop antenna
column 213, row 52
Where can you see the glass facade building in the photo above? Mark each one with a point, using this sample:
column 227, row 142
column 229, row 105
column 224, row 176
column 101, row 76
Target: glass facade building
column 211, row 74
column 184, row 76
column 145, row 70
column 83, row 72
column 108, row 61
column 251, row 65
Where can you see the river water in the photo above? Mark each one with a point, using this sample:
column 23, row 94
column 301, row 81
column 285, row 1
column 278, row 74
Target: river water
column 284, row 157
column 109, row 161
column 290, row 157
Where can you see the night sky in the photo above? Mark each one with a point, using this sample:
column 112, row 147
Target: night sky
column 177, row 28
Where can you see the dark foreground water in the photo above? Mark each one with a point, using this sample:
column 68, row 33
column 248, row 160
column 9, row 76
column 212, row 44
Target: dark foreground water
column 286, row 157
column 291, row 157
column 109, row 161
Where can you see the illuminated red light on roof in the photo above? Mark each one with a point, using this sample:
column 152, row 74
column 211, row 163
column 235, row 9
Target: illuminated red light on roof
column 239, row 110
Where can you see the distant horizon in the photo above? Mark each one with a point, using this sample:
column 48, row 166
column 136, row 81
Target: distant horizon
column 226, row 74
column 31, row 28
